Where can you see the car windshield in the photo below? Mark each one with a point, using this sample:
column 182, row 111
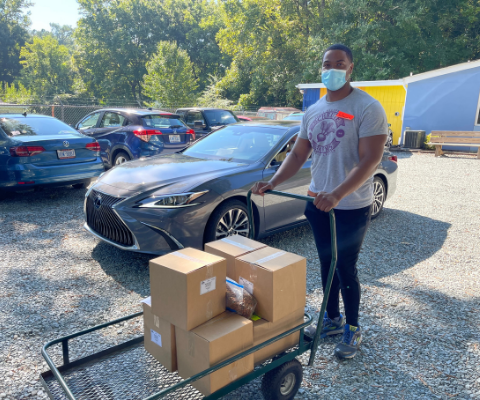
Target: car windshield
column 237, row 143
column 34, row 126
column 219, row 117
column 162, row 121
column 296, row 117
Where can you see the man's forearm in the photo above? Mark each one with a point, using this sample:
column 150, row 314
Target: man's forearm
column 355, row 179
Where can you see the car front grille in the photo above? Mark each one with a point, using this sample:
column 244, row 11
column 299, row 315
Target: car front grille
column 103, row 220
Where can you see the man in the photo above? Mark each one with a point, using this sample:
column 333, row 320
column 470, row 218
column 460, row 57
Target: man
column 346, row 131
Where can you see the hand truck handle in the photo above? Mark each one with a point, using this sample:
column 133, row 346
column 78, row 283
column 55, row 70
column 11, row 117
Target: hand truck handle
column 333, row 264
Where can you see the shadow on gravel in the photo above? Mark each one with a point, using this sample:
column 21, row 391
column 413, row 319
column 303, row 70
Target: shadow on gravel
column 127, row 268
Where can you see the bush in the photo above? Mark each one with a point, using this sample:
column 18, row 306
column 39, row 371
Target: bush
column 427, row 145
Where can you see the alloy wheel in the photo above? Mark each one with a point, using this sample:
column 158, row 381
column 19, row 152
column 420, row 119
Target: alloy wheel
column 378, row 197
column 120, row 160
column 233, row 222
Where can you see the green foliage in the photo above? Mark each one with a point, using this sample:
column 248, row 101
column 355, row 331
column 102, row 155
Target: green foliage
column 13, row 35
column 212, row 96
column 15, row 93
column 115, row 40
column 62, row 33
column 47, row 67
column 170, row 81
column 426, row 144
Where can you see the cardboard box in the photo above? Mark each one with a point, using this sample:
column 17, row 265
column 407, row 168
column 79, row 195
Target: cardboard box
column 277, row 279
column 264, row 330
column 159, row 337
column 232, row 247
column 213, row 342
column 188, row 287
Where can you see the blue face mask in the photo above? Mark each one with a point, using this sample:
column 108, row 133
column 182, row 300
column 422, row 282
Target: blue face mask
column 334, row 79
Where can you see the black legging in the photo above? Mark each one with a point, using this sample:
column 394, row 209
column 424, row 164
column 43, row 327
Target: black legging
column 352, row 226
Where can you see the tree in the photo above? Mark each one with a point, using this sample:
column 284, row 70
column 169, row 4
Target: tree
column 13, row 35
column 62, row 33
column 170, row 81
column 115, row 39
column 212, row 96
column 47, row 67
column 15, row 93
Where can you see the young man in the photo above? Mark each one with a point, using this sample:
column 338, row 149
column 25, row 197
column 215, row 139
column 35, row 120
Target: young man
column 346, row 130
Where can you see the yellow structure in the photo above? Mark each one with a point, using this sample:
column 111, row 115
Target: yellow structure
column 391, row 94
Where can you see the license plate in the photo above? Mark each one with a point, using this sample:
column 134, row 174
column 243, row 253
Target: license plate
column 174, row 138
column 62, row 154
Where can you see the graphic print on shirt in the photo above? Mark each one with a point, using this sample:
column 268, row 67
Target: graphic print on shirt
column 325, row 132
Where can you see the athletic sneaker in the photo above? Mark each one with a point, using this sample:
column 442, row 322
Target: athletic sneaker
column 330, row 327
column 347, row 348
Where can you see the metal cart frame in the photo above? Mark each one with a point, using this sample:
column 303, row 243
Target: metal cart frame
column 305, row 342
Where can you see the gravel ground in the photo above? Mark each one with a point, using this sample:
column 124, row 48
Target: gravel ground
column 420, row 302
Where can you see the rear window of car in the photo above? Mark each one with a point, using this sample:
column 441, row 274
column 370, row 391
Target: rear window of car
column 34, row 127
column 220, row 117
column 162, row 121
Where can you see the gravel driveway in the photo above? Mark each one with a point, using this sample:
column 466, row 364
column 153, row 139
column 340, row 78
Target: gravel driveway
column 419, row 268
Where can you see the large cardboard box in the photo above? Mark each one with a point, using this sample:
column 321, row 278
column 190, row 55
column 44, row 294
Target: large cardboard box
column 277, row 279
column 188, row 287
column 264, row 330
column 159, row 337
column 232, row 247
column 215, row 341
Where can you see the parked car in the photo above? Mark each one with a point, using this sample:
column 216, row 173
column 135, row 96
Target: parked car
column 295, row 116
column 251, row 118
column 276, row 113
column 199, row 194
column 37, row 150
column 125, row 134
column 205, row 120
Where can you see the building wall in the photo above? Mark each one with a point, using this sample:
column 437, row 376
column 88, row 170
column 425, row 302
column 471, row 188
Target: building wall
column 447, row 103
column 392, row 98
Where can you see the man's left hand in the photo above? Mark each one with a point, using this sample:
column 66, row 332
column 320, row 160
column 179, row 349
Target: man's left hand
column 325, row 201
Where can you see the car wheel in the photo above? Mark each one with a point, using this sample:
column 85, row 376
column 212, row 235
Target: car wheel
column 379, row 196
column 229, row 219
column 120, row 158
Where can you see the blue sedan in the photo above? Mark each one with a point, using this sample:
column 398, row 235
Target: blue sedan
column 37, row 150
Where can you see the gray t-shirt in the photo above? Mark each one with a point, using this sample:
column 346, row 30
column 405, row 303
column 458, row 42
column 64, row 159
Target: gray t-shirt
column 335, row 142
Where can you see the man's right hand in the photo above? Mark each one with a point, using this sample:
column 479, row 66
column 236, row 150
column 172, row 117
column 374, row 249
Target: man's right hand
column 261, row 187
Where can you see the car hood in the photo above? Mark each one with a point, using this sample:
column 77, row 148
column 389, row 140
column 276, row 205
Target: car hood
column 174, row 171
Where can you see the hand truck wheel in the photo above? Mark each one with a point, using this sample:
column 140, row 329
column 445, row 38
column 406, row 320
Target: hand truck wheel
column 283, row 382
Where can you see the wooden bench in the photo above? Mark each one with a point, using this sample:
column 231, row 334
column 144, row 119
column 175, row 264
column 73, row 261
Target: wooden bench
column 454, row 138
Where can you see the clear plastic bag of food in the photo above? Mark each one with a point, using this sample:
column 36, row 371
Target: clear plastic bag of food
column 239, row 300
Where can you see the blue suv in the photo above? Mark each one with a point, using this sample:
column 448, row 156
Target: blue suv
column 127, row 134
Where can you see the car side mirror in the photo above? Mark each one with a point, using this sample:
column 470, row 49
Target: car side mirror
column 198, row 125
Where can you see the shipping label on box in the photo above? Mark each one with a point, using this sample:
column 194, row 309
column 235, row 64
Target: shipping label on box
column 159, row 338
column 188, row 287
column 232, row 247
column 277, row 280
column 211, row 343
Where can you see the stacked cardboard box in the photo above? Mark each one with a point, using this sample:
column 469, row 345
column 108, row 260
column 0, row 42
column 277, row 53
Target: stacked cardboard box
column 231, row 248
column 187, row 325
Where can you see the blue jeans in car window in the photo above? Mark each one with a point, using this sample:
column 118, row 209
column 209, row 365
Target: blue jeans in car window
column 352, row 226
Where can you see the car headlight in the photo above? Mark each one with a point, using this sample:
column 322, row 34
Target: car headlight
column 171, row 200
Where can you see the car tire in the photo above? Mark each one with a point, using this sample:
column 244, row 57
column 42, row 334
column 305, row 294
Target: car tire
column 379, row 196
column 120, row 158
column 230, row 218
column 283, row 382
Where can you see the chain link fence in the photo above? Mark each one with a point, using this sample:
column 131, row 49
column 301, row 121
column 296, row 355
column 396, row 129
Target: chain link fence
column 73, row 113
